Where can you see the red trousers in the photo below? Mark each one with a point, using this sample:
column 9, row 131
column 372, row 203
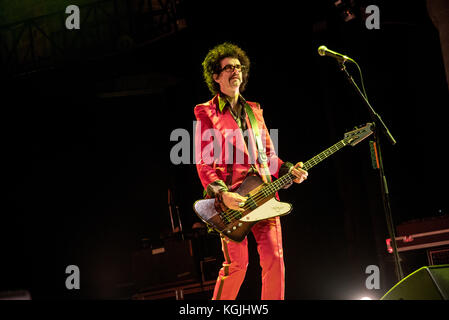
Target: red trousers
column 269, row 246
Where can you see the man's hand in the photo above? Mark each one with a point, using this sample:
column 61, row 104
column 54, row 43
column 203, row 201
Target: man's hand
column 233, row 200
column 299, row 173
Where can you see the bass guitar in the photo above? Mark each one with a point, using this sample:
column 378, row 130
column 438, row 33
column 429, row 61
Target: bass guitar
column 262, row 203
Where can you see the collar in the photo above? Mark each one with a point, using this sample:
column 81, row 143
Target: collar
column 223, row 102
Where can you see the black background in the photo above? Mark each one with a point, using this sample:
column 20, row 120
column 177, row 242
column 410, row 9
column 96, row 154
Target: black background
column 87, row 176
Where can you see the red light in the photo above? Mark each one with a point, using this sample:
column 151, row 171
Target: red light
column 389, row 247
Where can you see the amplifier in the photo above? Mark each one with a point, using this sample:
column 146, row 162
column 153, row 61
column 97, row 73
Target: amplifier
column 169, row 262
column 422, row 242
column 422, row 234
column 438, row 256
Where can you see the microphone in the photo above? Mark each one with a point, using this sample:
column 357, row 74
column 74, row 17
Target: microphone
column 324, row 51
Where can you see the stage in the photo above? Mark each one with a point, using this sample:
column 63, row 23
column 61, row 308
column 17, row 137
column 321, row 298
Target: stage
column 100, row 167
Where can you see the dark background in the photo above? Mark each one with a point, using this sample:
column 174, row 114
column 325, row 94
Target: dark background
column 88, row 141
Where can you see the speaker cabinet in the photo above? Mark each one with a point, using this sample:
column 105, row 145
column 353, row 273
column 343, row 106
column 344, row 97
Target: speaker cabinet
column 426, row 283
column 171, row 262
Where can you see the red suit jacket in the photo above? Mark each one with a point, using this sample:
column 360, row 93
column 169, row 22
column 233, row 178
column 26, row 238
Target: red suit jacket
column 221, row 153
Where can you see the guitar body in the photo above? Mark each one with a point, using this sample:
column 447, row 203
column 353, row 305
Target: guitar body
column 235, row 225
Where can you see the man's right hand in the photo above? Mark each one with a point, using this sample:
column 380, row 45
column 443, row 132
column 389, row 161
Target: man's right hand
column 233, row 200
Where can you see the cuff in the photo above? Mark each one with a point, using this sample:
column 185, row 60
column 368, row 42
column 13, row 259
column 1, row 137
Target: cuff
column 216, row 187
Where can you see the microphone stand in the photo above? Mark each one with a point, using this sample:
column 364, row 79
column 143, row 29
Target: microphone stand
column 383, row 181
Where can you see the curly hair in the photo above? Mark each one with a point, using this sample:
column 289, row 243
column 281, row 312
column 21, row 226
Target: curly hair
column 211, row 64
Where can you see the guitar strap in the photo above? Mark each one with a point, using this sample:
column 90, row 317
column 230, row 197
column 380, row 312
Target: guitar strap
column 260, row 147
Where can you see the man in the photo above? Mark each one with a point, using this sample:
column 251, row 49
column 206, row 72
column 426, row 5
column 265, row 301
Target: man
column 221, row 170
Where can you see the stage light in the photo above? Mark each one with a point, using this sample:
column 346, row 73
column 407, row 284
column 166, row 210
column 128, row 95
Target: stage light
column 365, row 298
column 346, row 9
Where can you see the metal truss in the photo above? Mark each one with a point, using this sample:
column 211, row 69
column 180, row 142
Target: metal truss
column 106, row 27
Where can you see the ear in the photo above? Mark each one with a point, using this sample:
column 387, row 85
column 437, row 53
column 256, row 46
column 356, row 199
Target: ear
column 215, row 77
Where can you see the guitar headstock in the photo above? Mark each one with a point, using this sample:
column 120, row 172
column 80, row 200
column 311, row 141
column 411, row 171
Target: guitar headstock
column 355, row 136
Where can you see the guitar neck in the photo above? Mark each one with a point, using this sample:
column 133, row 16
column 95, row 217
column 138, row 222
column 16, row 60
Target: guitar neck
column 289, row 177
column 325, row 154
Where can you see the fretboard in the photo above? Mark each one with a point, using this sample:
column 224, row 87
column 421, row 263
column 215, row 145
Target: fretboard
column 288, row 178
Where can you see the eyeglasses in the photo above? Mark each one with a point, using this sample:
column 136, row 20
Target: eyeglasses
column 231, row 68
